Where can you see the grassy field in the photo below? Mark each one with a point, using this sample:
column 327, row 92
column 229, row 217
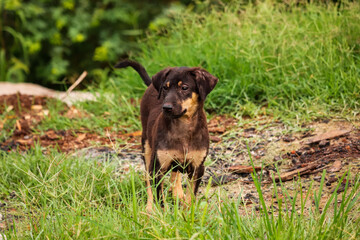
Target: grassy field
column 58, row 196
column 294, row 63
column 298, row 62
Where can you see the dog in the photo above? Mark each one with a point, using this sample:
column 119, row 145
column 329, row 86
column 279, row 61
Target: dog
column 174, row 130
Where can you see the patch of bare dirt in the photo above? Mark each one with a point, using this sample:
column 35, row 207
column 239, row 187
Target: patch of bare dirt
column 333, row 146
column 64, row 140
column 28, row 111
column 20, row 103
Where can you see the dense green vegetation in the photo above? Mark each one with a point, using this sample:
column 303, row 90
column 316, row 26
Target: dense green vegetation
column 51, row 42
column 296, row 60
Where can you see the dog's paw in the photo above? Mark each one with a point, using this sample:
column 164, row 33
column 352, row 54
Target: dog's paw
column 149, row 207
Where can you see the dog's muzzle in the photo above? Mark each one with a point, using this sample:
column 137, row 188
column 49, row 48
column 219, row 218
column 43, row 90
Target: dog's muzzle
column 168, row 110
column 168, row 107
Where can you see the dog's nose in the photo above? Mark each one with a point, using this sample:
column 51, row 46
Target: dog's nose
column 167, row 107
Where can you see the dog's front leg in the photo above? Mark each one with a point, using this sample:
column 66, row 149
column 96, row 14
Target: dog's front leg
column 150, row 198
column 159, row 184
column 177, row 191
column 195, row 177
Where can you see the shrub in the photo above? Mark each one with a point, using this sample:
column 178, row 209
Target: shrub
column 46, row 41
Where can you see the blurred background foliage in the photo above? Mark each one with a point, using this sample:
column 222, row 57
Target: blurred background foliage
column 52, row 42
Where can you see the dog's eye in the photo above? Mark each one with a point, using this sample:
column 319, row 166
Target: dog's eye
column 165, row 87
column 184, row 87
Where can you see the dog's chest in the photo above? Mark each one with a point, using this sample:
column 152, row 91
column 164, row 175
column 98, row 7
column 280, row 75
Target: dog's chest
column 182, row 145
column 168, row 157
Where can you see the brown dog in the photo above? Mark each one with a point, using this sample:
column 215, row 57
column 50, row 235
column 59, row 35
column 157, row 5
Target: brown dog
column 175, row 135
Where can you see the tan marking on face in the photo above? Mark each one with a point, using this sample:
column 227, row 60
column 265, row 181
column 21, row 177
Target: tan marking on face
column 179, row 83
column 191, row 105
column 193, row 157
column 168, row 84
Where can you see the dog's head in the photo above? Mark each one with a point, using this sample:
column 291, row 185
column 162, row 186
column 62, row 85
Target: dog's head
column 183, row 89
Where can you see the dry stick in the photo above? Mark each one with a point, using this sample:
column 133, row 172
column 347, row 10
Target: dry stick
column 327, row 136
column 75, row 84
column 301, row 171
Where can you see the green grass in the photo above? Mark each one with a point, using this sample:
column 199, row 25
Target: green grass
column 59, row 196
column 296, row 63
column 300, row 62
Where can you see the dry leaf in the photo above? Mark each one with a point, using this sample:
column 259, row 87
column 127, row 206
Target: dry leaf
column 134, row 134
column 24, row 141
column 74, row 113
column 18, row 125
column 36, row 108
column 335, row 167
column 52, row 135
column 9, row 108
column 81, row 137
column 217, row 129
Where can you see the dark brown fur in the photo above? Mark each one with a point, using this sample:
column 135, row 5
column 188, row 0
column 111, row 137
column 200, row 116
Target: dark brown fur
column 175, row 135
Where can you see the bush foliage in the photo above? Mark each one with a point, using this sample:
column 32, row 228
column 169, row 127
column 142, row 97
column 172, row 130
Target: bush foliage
column 46, row 41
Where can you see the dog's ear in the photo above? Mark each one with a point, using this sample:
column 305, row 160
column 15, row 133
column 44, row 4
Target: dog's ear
column 205, row 82
column 159, row 79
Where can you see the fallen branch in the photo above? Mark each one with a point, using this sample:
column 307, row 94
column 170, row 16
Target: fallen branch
column 242, row 169
column 75, row 84
column 298, row 172
column 327, row 135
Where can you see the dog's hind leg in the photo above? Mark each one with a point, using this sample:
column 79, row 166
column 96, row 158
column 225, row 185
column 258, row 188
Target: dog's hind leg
column 148, row 174
column 150, row 199
column 195, row 177
column 177, row 191
column 159, row 183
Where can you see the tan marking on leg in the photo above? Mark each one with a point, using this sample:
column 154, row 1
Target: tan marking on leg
column 150, row 199
column 177, row 191
column 191, row 105
column 190, row 191
column 147, row 156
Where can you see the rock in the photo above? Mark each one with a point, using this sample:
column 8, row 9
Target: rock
column 324, row 143
column 215, row 139
column 288, row 139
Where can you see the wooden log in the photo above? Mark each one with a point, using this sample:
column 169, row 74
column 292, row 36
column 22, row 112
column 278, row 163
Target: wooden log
column 242, row 169
column 301, row 171
column 327, row 135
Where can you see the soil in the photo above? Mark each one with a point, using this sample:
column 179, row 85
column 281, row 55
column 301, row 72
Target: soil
column 270, row 144
column 29, row 110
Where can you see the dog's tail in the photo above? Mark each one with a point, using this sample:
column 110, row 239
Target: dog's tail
column 138, row 67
